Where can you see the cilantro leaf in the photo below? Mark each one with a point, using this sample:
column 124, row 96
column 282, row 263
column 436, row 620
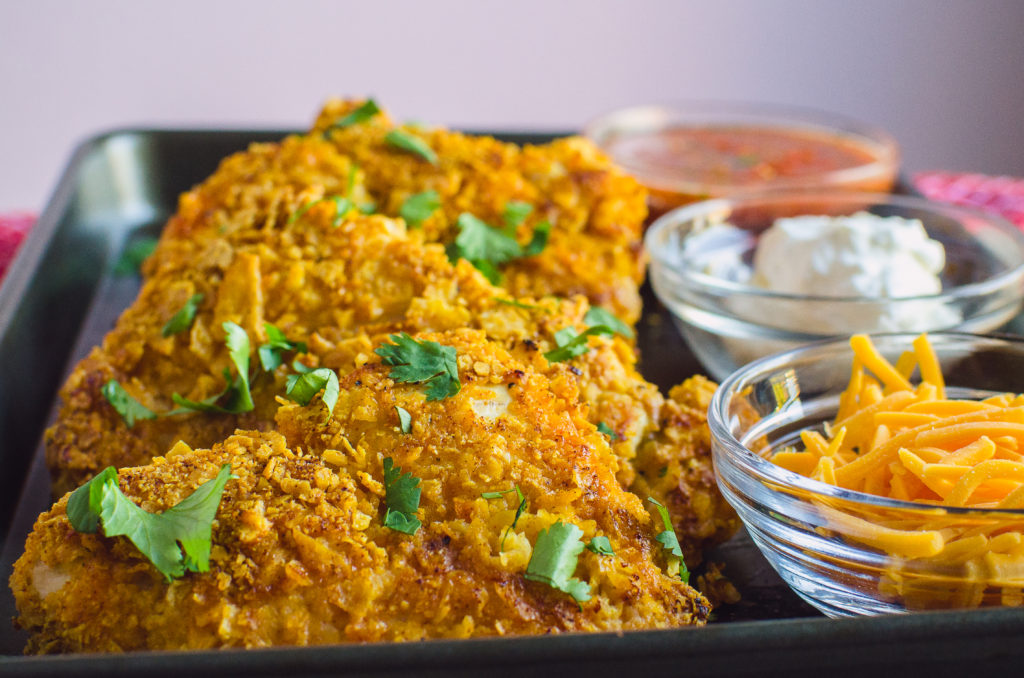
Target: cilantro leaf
column 497, row 495
column 277, row 343
column 402, row 496
column 599, row 316
column 429, row 362
column 130, row 409
column 404, row 419
column 554, row 559
column 670, row 543
column 487, row 248
column 519, row 304
column 477, row 241
column 342, row 206
column 302, row 387
column 538, row 241
column 608, row 431
column 519, row 509
column 572, row 344
column 182, row 320
column 601, row 546
column 515, row 214
column 237, row 341
column 236, row 395
column 419, row 207
column 367, row 110
column 133, row 255
column 411, row 143
column 175, row 541
column 367, row 207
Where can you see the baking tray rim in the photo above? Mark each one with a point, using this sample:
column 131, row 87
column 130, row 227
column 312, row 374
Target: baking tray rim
column 799, row 636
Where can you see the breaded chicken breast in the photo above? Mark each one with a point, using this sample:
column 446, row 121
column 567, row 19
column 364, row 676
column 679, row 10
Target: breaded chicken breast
column 382, row 282
column 262, row 241
column 301, row 554
column 596, row 211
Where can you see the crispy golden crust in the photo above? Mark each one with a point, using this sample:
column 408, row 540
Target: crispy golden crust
column 339, row 288
column 301, row 556
column 343, row 286
column 674, row 466
column 596, row 211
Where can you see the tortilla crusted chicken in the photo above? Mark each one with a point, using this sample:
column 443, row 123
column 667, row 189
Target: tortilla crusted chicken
column 273, row 252
column 334, row 284
column 596, row 211
column 301, row 554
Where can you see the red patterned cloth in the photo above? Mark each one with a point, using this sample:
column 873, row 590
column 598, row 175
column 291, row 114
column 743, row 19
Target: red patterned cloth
column 13, row 229
column 1000, row 195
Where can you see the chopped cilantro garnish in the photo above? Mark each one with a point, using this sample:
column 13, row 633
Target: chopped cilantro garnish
column 487, row 248
column 601, row 546
column 411, row 143
column 419, row 207
column 519, row 304
column 182, row 320
column 670, row 543
column 608, row 431
column 554, row 559
column 130, row 409
column 404, row 419
column 497, row 495
column 663, row 471
column 402, row 496
column 302, row 387
column 174, row 541
column 342, row 206
column 516, row 213
column 277, row 343
column 133, row 256
column 599, row 316
column 236, row 397
column 367, row 110
column 519, row 509
column 572, row 344
column 367, row 207
column 429, row 362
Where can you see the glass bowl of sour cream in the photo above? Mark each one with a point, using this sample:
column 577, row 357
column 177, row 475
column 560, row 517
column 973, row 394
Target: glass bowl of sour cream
column 749, row 276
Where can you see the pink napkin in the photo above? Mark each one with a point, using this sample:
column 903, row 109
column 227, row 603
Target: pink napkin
column 1000, row 195
column 13, row 229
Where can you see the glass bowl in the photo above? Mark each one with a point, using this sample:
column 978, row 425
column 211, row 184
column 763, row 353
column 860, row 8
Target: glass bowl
column 819, row 537
column 688, row 151
column 728, row 322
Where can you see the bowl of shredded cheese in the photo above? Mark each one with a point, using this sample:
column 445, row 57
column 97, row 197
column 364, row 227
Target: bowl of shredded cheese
column 882, row 474
column 748, row 276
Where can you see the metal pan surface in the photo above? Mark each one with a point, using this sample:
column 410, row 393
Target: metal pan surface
column 60, row 298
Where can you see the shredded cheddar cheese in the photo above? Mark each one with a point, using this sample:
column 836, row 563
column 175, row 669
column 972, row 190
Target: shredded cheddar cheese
column 893, row 439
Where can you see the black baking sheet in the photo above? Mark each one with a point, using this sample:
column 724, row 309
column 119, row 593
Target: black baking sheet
column 60, row 298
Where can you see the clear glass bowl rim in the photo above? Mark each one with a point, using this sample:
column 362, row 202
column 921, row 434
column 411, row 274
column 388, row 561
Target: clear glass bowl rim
column 763, row 470
column 771, row 115
column 711, row 284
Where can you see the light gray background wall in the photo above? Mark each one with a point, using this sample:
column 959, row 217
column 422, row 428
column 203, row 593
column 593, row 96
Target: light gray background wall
column 945, row 76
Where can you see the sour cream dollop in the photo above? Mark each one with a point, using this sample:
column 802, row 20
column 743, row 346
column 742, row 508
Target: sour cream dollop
column 861, row 255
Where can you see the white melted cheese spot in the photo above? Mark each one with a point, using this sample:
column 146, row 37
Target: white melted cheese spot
column 48, row 580
column 492, row 408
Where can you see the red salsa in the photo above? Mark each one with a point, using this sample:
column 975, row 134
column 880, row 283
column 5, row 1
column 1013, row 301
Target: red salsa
column 681, row 164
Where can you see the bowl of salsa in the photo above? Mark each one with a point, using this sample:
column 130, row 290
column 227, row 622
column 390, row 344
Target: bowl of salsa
column 691, row 151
